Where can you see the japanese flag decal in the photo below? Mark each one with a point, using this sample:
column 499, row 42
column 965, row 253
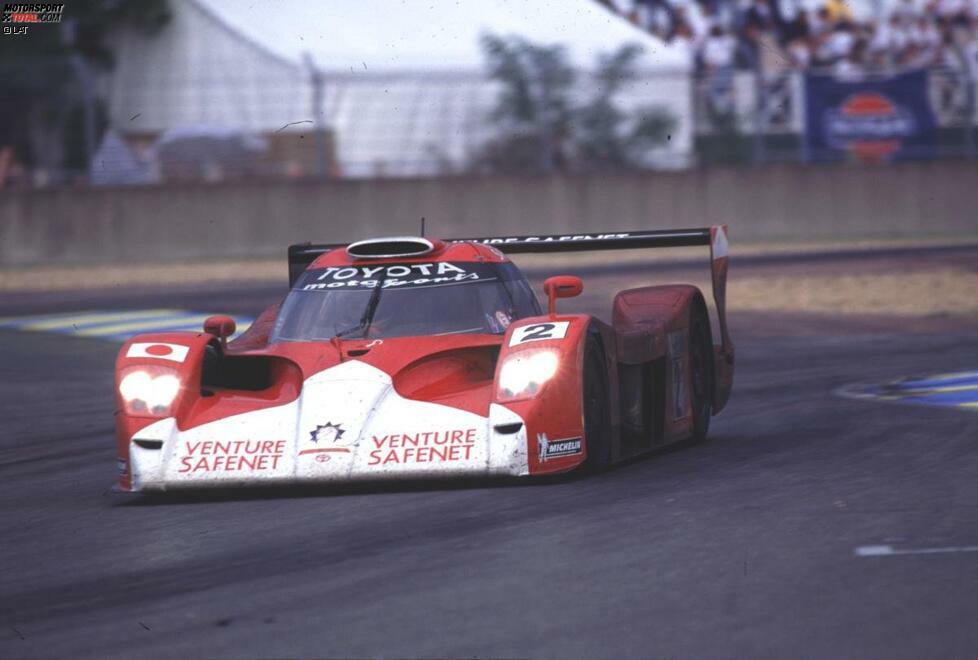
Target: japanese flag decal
column 160, row 351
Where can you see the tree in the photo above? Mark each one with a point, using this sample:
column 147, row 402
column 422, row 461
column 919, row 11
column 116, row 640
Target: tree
column 607, row 137
column 47, row 80
column 541, row 130
column 533, row 109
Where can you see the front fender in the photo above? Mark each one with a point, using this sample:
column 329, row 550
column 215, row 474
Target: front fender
column 179, row 352
column 552, row 414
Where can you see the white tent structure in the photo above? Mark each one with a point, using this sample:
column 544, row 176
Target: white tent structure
column 198, row 70
column 405, row 90
column 402, row 35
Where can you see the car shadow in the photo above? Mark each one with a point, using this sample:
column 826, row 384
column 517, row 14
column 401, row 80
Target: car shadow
column 243, row 494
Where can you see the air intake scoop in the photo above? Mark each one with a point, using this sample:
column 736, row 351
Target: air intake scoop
column 396, row 246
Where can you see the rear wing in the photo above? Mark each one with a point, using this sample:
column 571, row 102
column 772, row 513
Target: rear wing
column 300, row 256
column 715, row 237
column 626, row 240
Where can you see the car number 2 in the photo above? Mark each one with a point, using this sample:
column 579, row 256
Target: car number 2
column 539, row 332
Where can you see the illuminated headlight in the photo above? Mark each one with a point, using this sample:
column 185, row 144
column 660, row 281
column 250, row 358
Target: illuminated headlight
column 145, row 392
column 524, row 373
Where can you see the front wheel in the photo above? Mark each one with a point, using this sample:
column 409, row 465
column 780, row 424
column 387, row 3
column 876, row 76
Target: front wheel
column 594, row 404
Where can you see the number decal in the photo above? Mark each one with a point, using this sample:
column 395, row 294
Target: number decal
column 539, row 332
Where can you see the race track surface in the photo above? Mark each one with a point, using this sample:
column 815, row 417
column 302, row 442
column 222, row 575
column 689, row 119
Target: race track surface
column 767, row 541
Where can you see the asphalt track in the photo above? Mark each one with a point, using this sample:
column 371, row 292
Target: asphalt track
column 751, row 545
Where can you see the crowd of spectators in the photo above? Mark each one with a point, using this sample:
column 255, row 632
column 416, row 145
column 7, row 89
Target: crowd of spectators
column 779, row 35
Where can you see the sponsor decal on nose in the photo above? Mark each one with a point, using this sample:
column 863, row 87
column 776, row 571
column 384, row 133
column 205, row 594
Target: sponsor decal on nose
column 447, row 446
column 331, row 435
column 232, row 456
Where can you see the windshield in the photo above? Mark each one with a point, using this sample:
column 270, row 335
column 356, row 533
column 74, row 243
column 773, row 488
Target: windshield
column 403, row 300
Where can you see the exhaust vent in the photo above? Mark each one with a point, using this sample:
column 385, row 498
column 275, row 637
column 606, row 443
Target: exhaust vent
column 386, row 248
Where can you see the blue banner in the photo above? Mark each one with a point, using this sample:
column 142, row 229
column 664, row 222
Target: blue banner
column 876, row 119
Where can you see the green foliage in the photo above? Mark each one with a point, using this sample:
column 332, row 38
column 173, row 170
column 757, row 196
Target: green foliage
column 74, row 156
column 537, row 81
column 38, row 62
column 41, row 85
column 608, row 138
column 541, row 128
column 533, row 107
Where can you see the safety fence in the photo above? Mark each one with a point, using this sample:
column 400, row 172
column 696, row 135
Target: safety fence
column 411, row 125
column 748, row 116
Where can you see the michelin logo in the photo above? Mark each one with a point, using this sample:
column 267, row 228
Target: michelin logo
column 547, row 449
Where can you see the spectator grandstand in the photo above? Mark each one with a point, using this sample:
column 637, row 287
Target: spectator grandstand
column 832, row 36
column 754, row 60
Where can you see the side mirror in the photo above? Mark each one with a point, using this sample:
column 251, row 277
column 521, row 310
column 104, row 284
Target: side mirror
column 561, row 286
column 221, row 327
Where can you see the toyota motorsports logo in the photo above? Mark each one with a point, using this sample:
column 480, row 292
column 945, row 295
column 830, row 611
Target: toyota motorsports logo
column 869, row 125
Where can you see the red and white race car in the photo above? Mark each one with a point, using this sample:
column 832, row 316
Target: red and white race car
column 415, row 357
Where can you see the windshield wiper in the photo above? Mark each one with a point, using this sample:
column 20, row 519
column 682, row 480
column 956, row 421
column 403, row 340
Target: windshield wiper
column 368, row 312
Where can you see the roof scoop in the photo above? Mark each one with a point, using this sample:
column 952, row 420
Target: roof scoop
column 387, row 248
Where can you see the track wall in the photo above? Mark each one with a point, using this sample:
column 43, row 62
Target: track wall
column 261, row 218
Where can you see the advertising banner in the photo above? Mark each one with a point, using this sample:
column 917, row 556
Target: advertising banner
column 874, row 119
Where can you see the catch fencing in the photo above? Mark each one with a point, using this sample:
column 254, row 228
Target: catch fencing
column 417, row 124
column 753, row 117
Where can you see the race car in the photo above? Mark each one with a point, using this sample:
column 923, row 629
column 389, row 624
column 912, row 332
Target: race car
column 413, row 357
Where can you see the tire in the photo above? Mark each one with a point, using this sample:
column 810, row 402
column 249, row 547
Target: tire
column 701, row 372
column 594, row 405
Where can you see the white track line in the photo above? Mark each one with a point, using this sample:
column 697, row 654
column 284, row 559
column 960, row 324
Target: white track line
column 887, row 550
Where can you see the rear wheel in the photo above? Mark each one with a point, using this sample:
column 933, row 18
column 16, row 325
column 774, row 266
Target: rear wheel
column 701, row 372
column 594, row 403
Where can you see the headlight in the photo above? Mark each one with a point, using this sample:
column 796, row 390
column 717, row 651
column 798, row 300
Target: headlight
column 523, row 373
column 149, row 392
